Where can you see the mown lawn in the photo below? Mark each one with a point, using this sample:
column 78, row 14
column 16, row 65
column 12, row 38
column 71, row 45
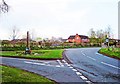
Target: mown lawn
column 111, row 52
column 44, row 54
column 14, row 75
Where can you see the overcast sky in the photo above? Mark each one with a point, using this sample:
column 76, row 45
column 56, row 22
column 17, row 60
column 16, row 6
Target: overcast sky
column 59, row 18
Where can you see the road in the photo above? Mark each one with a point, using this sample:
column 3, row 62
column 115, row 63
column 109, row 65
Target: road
column 56, row 70
column 96, row 67
column 87, row 66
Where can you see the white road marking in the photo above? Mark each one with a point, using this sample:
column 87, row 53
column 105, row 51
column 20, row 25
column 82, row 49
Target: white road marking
column 74, row 70
column 34, row 63
column 102, row 62
column 21, row 59
column 64, row 61
column 27, row 62
column 83, row 54
column 89, row 82
column 68, row 65
column 71, row 67
column 78, row 73
column 57, row 66
column 83, row 77
column 60, row 63
column 42, row 64
column 110, row 65
column 91, row 58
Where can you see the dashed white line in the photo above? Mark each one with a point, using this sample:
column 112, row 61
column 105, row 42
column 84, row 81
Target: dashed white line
column 83, row 77
column 91, row 58
column 89, row 82
column 68, row 65
column 110, row 65
column 60, row 63
column 71, row 67
column 64, row 61
column 78, row 73
column 57, row 66
column 74, row 69
column 88, row 56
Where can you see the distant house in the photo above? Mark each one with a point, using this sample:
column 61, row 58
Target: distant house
column 18, row 40
column 78, row 39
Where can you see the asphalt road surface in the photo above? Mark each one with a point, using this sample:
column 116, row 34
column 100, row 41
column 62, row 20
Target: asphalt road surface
column 57, row 70
column 96, row 67
column 87, row 67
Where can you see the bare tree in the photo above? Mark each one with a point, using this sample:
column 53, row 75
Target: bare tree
column 4, row 7
column 108, row 30
column 15, row 33
column 92, row 33
column 101, row 35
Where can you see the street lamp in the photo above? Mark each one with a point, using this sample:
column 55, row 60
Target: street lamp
column 4, row 7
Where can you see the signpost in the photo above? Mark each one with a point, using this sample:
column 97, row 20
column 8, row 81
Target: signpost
column 27, row 50
column 107, row 41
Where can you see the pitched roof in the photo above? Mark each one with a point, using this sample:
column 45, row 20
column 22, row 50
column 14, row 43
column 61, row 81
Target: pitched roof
column 71, row 37
column 81, row 36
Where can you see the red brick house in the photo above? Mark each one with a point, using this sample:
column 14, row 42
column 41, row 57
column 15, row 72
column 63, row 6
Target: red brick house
column 78, row 39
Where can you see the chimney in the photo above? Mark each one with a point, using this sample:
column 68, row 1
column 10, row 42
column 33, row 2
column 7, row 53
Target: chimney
column 76, row 33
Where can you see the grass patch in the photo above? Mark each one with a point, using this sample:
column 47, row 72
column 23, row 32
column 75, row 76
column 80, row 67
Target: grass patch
column 36, row 54
column 13, row 75
column 115, row 53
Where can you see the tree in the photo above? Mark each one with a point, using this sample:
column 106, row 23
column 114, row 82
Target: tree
column 100, row 35
column 4, row 7
column 92, row 33
column 108, row 34
column 15, row 33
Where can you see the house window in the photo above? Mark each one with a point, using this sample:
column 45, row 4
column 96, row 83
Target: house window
column 77, row 38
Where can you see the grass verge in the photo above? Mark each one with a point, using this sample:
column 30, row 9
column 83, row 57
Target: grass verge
column 15, row 75
column 36, row 54
column 114, row 53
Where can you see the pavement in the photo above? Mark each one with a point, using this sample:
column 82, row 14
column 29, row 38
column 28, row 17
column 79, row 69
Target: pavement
column 85, row 66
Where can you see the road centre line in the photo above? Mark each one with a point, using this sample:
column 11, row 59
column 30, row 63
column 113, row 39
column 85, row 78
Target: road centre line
column 102, row 62
column 91, row 58
column 110, row 65
column 88, row 56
